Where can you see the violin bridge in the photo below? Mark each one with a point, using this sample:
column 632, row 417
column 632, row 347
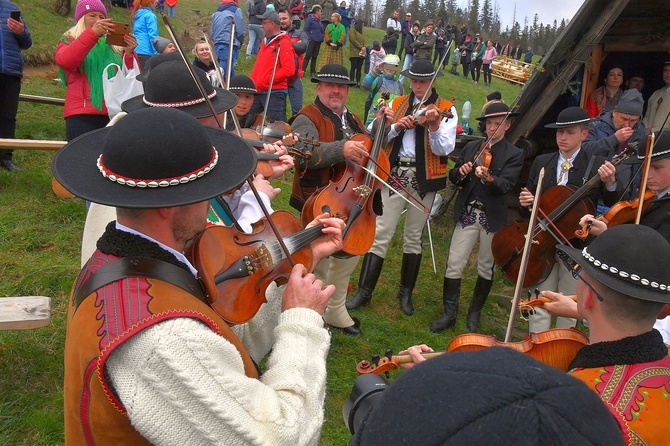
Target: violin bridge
column 362, row 190
column 265, row 256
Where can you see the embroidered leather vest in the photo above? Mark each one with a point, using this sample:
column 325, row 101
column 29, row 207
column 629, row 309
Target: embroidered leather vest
column 97, row 325
column 431, row 171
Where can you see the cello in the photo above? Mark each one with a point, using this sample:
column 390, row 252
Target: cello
column 561, row 208
column 354, row 194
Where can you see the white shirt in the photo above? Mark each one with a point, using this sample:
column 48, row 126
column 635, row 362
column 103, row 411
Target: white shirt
column 393, row 23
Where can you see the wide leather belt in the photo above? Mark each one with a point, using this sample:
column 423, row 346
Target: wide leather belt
column 405, row 162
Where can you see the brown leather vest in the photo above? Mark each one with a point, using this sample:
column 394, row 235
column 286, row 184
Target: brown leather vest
column 105, row 319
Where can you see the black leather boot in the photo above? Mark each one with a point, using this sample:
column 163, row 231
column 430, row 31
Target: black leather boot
column 479, row 295
column 411, row 263
column 372, row 267
column 450, row 296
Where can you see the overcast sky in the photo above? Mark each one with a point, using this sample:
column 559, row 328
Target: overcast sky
column 547, row 10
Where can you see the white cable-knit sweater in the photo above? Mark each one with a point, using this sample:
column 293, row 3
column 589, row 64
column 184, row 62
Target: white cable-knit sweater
column 182, row 384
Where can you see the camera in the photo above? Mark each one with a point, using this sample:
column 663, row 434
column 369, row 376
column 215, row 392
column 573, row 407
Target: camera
column 364, row 395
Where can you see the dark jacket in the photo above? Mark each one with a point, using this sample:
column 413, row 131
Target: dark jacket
column 423, row 46
column 11, row 61
column 314, row 28
column 408, row 43
column 258, row 8
column 390, row 43
column 506, row 164
column 657, row 216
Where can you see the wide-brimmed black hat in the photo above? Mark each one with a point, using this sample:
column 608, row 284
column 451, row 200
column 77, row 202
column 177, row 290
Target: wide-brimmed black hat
column 152, row 158
column 242, row 84
column 569, row 117
column 156, row 60
column 661, row 148
column 495, row 110
column 170, row 85
column 421, row 70
column 630, row 259
column 334, row 73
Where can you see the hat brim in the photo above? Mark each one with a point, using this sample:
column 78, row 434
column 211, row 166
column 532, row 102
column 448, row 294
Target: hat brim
column 75, row 167
column 562, row 125
column 333, row 80
column 406, row 73
column 498, row 115
column 613, row 281
column 222, row 102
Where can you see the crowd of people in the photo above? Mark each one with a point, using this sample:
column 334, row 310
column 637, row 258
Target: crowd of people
column 155, row 358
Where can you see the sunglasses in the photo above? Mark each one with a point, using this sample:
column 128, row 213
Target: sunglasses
column 576, row 270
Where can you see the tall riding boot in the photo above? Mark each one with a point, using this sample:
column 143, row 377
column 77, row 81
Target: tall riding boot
column 370, row 271
column 450, row 296
column 479, row 295
column 411, row 263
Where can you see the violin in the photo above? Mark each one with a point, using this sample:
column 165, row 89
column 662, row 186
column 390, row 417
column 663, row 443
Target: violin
column 619, row 214
column 236, row 268
column 420, row 114
column 538, row 301
column 542, row 346
column 560, row 207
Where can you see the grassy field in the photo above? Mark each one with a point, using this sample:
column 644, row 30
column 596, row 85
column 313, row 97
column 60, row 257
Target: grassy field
column 40, row 241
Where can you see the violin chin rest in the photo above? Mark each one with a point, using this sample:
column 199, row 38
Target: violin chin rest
column 377, row 204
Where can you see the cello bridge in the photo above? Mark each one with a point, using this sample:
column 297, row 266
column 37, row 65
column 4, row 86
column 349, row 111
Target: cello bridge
column 533, row 242
column 362, row 190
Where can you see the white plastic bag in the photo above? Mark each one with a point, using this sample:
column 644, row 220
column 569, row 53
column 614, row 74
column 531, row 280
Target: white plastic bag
column 121, row 87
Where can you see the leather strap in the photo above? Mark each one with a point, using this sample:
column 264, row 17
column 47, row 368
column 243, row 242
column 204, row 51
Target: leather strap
column 140, row 267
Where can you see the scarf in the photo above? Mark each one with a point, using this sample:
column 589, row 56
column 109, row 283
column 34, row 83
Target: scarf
column 96, row 60
column 335, row 32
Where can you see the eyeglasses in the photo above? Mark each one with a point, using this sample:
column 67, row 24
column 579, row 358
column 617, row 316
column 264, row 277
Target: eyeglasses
column 576, row 270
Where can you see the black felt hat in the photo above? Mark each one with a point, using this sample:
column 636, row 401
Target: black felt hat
column 152, row 158
column 170, row 84
column 569, row 117
column 495, row 110
column 630, row 259
column 661, row 149
column 333, row 73
column 242, row 84
column 495, row 396
column 421, row 70
column 156, row 60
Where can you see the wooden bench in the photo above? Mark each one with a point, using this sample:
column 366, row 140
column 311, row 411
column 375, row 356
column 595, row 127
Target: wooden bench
column 24, row 312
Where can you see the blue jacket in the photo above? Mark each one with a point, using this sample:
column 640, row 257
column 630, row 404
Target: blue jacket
column 344, row 13
column 145, row 29
column 11, row 62
column 528, row 58
column 221, row 20
column 314, row 29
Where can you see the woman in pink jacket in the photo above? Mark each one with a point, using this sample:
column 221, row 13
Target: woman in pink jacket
column 82, row 54
column 489, row 56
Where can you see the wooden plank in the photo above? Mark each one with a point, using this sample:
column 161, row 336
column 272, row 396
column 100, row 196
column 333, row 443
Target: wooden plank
column 30, row 144
column 24, row 312
column 41, row 99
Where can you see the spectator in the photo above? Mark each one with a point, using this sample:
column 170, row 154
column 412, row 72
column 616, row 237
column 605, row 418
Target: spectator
column 357, row 52
column 409, row 51
column 606, row 97
column 405, row 28
column 163, row 45
column 334, row 38
column 160, row 6
column 377, row 54
column 381, row 80
column 328, row 7
column 296, row 8
column 315, row 34
column 300, row 41
column 80, row 48
column 516, row 52
column 528, row 58
column 636, row 80
column 223, row 17
column 659, row 105
column 347, row 15
column 466, row 55
column 15, row 37
column 171, row 8
column 506, row 50
column 145, row 29
column 256, row 33
column 424, row 43
column 477, row 59
column 394, row 22
column 440, row 48
column 390, row 41
column 489, row 56
column 203, row 60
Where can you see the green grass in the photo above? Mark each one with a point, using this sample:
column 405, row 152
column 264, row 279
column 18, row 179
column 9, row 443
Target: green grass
column 40, row 241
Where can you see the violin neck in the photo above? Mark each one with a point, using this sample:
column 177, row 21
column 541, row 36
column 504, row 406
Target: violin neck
column 295, row 242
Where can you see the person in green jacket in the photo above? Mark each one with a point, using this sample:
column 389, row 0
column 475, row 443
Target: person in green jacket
column 357, row 52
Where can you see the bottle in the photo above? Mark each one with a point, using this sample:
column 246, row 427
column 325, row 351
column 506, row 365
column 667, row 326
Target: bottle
column 465, row 116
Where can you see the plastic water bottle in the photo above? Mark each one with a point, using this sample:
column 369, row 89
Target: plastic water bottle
column 465, row 116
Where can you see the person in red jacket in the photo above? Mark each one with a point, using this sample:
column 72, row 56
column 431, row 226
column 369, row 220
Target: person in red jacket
column 82, row 54
column 275, row 40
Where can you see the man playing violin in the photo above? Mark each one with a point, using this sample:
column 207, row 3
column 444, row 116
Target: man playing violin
column 480, row 210
column 147, row 360
column 414, row 151
column 570, row 166
column 623, row 283
column 329, row 121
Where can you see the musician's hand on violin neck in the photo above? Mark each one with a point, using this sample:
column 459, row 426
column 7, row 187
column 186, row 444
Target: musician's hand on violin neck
column 404, row 123
column 607, row 173
column 483, row 173
column 331, row 240
column 290, row 139
column 304, row 290
column 560, row 305
column 388, row 112
column 597, row 227
column 526, row 198
column 415, row 352
column 355, row 151
column 465, row 168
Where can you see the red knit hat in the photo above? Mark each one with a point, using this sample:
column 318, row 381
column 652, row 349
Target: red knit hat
column 86, row 6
